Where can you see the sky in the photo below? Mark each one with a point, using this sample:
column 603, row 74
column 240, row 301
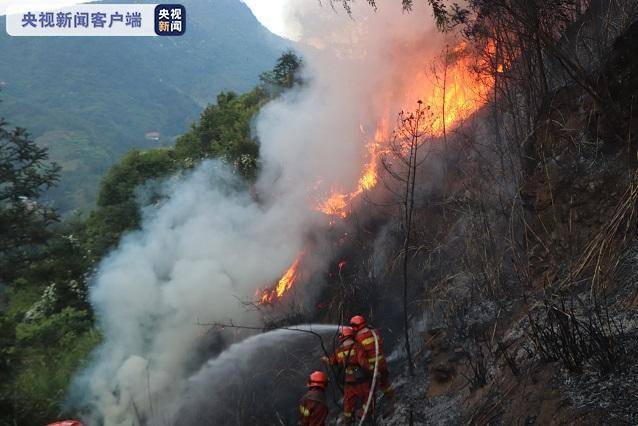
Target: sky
column 271, row 14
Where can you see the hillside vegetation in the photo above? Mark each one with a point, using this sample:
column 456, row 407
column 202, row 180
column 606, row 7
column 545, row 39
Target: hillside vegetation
column 47, row 329
column 90, row 99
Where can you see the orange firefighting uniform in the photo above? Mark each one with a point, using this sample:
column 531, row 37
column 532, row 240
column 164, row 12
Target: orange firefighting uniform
column 365, row 338
column 351, row 356
column 313, row 409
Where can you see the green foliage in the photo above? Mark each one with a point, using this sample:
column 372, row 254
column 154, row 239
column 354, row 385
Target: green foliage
column 47, row 332
column 51, row 349
column 285, row 74
column 223, row 132
column 117, row 207
column 50, row 330
column 24, row 174
column 134, row 169
column 45, row 319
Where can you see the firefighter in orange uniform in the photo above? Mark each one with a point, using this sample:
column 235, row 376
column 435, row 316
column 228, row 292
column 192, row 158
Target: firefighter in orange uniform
column 313, row 408
column 351, row 356
column 365, row 336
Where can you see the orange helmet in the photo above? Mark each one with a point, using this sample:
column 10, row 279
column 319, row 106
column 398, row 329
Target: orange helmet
column 318, row 379
column 345, row 333
column 357, row 322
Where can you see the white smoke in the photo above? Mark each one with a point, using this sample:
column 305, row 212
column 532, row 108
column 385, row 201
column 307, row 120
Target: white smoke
column 207, row 246
column 204, row 249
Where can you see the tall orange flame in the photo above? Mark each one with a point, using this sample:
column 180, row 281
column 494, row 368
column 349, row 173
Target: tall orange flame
column 452, row 98
column 284, row 284
column 338, row 203
column 455, row 96
column 458, row 93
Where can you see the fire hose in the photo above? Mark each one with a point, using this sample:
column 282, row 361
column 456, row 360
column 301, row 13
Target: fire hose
column 374, row 377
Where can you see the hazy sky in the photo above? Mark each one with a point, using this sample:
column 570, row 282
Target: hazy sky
column 270, row 13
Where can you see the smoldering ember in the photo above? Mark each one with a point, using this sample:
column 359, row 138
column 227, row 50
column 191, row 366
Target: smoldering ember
column 425, row 213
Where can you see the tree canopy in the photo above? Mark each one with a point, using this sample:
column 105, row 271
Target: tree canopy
column 24, row 174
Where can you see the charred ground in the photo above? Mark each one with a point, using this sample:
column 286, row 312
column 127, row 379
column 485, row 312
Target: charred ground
column 522, row 300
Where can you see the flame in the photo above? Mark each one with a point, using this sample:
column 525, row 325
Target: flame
column 285, row 283
column 338, row 203
column 459, row 93
column 452, row 98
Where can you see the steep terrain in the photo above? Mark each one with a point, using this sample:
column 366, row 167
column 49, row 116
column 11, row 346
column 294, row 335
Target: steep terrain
column 561, row 349
column 513, row 276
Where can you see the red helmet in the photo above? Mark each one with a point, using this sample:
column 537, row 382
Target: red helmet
column 357, row 322
column 345, row 333
column 318, row 379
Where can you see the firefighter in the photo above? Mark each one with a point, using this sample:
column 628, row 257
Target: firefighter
column 365, row 335
column 351, row 357
column 313, row 409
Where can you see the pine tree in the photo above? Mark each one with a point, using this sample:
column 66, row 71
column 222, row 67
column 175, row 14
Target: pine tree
column 25, row 173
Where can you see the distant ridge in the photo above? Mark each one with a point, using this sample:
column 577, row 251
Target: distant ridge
column 90, row 100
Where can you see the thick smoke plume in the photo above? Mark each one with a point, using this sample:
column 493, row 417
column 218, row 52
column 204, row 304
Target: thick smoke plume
column 209, row 245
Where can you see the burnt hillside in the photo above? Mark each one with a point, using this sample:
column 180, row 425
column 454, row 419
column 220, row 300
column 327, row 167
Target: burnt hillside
column 535, row 322
column 512, row 261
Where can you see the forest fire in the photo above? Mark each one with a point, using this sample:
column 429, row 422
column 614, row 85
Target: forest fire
column 459, row 93
column 284, row 284
column 452, row 95
column 339, row 203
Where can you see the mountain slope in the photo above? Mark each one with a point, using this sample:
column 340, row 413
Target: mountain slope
column 92, row 99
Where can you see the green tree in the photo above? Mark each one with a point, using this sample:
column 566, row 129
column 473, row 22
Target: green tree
column 45, row 318
column 117, row 208
column 223, row 132
column 48, row 350
column 25, row 173
column 285, row 74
